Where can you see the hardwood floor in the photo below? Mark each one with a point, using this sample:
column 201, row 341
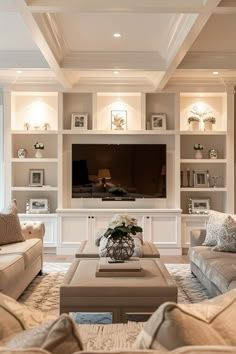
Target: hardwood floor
column 166, row 259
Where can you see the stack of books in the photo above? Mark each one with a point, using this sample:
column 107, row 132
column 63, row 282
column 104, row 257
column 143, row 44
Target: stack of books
column 131, row 268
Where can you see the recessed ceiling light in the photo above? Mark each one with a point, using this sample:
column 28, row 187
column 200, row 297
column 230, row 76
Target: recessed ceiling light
column 116, row 72
column 117, row 35
column 19, row 71
column 215, row 72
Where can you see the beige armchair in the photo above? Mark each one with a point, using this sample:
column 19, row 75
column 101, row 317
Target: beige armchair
column 32, row 229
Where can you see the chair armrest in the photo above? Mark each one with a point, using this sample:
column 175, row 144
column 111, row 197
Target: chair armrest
column 32, row 229
column 197, row 237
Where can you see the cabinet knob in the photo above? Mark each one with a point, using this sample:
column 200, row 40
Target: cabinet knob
column 92, row 217
column 89, row 217
column 147, row 217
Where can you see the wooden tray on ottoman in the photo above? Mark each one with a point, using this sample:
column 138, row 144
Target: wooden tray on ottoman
column 90, row 250
column 82, row 291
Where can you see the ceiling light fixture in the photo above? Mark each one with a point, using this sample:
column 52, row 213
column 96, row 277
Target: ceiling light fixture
column 116, row 35
column 215, row 72
column 19, row 71
column 116, row 72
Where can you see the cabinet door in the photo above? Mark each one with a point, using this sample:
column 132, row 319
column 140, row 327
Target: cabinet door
column 164, row 230
column 74, row 229
column 191, row 223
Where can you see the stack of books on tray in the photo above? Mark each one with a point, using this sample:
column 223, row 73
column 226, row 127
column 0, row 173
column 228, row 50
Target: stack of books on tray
column 130, row 268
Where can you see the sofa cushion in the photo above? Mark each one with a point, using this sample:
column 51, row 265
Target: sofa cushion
column 227, row 238
column 10, row 229
column 16, row 317
column 210, row 322
column 23, row 351
column 214, row 228
column 221, row 272
column 58, row 337
column 11, row 268
column 29, row 249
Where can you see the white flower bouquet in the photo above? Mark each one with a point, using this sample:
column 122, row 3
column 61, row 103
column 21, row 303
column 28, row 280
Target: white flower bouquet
column 38, row 146
column 122, row 225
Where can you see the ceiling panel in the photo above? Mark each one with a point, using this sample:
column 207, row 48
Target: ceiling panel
column 94, row 31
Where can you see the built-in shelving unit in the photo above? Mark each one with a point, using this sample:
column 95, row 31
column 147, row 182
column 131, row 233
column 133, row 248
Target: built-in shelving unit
column 55, row 109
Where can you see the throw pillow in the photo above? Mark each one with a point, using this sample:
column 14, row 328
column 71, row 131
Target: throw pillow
column 10, row 229
column 210, row 322
column 227, row 238
column 214, row 228
column 16, row 317
column 58, row 337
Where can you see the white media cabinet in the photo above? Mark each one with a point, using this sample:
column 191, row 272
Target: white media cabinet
column 72, row 220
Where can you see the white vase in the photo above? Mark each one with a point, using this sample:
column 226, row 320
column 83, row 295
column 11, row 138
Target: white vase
column 38, row 153
column 198, row 154
column 207, row 125
column 194, row 125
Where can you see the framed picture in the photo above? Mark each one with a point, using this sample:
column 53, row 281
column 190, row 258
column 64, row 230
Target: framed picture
column 158, row 121
column 118, row 120
column 36, row 178
column 37, row 206
column 200, row 206
column 201, row 178
column 79, row 121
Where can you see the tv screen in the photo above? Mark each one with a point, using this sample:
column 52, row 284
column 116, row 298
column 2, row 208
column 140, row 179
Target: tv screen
column 118, row 172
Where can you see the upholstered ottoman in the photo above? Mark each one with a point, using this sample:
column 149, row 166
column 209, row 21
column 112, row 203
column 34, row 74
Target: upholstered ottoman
column 124, row 297
column 90, row 250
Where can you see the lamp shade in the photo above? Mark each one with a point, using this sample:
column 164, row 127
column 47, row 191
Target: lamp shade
column 104, row 173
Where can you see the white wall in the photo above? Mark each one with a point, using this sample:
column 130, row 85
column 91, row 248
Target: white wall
column 1, row 151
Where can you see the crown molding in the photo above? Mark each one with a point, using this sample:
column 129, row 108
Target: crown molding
column 113, row 60
column 209, row 60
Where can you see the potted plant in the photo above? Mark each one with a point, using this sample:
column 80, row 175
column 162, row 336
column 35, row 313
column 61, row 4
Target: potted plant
column 208, row 121
column 38, row 147
column 117, row 242
column 194, row 122
column 198, row 148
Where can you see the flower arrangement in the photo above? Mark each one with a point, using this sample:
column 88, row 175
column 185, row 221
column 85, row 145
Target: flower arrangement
column 200, row 113
column 211, row 120
column 122, row 225
column 193, row 119
column 198, row 147
column 38, row 146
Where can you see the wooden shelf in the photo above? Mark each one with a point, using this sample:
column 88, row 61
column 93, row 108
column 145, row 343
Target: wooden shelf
column 202, row 132
column 211, row 161
column 38, row 160
column 35, row 132
column 31, row 215
column 118, row 132
column 192, row 189
column 34, row 189
column 195, row 216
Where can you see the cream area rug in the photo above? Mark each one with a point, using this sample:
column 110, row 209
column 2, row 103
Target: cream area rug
column 43, row 292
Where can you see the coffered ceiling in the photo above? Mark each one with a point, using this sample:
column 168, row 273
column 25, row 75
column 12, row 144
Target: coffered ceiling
column 71, row 43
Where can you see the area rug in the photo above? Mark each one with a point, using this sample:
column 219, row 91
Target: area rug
column 43, row 292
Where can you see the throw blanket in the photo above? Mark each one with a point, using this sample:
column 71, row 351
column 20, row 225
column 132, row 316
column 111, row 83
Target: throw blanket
column 101, row 242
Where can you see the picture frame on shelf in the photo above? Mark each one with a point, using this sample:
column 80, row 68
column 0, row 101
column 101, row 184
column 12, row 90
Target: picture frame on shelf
column 38, row 206
column 79, row 121
column 118, row 120
column 36, row 177
column 201, row 178
column 200, row 206
column 158, row 121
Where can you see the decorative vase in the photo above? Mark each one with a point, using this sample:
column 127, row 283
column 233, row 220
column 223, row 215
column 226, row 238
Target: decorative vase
column 117, row 248
column 38, row 153
column 194, row 125
column 207, row 125
column 198, row 154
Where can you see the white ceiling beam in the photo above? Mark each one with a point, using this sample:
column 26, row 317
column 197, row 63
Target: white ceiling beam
column 147, row 6
column 198, row 25
column 208, row 60
column 41, row 42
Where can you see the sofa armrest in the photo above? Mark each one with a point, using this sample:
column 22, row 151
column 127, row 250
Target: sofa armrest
column 32, row 229
column 197, row 237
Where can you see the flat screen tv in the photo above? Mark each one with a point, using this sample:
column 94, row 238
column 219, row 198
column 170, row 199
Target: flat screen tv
column 118, row 172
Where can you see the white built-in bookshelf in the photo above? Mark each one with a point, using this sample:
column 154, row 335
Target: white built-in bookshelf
column 56, row 109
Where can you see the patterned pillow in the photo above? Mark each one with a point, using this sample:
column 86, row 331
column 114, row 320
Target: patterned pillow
column 10, row 229
column 214, row 228
column 227, row 239
column 16, row 317
column 58, row 337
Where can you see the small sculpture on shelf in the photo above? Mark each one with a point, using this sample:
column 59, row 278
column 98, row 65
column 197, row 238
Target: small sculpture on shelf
column 26, row 126
column 46, row 126
column 21, row 153
column 38, row 147
column 198, row 148
column 213, row 154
